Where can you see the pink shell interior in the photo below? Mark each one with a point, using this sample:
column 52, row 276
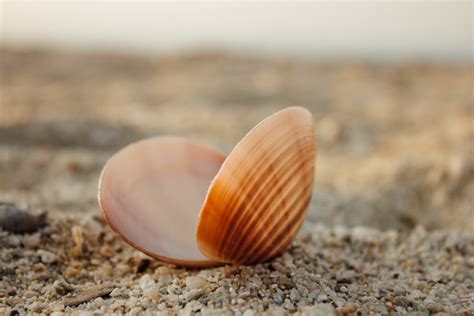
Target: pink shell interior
column 151, row 193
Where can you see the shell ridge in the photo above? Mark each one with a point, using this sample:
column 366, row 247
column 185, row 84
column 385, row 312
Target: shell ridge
column 287, row 169
column 236, row 200
column 235, row 149
column 238, row 203
column 229, row 234
column 213, row 185
column 266, row 216
column 294, row 230
column 285, row 239
column 278, row 234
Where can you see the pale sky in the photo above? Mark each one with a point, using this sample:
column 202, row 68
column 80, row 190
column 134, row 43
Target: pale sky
column 440, row 30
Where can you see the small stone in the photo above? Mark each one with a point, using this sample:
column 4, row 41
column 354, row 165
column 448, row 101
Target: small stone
column 398, row 290
column 132, row 301
column 195, row 282
column 277, row 299
column 46, row 256
column 165, row 279
column 79, row 248
column 193, row 294
column 295, row 295
column 320, row 310
column 116, row 292
column 72, row 272
column 135, row 311
column 7, row 272
column 276, row 311
column 417, row 294
column 98, row 302
column 322, row 298
column 146, row 281
column 174, row 289
column 106, row 251
column 249, row 312
column 18, row 221
column 58, row 307
column 433, row 307
column 13, row 241
column 62, row 287
column 31, row 241
column 164, row 270
column 171, row 298
column 161, row 306
column 348, row 309
column 151, row 292
column 470, row 261
column 289, row 305
column 30, row 294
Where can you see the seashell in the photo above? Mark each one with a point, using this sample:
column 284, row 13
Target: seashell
column 182, row 202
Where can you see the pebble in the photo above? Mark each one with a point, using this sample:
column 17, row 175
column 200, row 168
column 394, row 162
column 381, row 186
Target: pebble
column 31, row 241
column 277, row 299
column 116, row 292
column 417, row 294
column 349, row 309
column 135, row 311
column 146, row 281
column 106, row 251
column 46, row 256
column 322, row 298
column 398, row 290
column 433, row 306
column 79, row 247
column 193, row 294
column 58, row 307
column 62, row 287
column 165, row 279
column 30, row 294
column 320, row 310
column 13, row 241
column 17, row 221
column 249, row 312
column 276, row 311
column 195, row 282
column 164, row 270
column 295, row 295
column 151, row 292
column 470, row 262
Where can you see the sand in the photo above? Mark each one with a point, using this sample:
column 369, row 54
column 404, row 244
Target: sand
column 389, row 229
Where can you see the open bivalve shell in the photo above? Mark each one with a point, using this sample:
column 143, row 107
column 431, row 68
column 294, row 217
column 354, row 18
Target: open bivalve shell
column 187, row 204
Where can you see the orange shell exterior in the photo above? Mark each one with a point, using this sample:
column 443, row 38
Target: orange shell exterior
column 258, row 200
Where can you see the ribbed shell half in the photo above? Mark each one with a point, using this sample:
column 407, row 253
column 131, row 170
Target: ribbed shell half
column 258, row 200
column 184, row 203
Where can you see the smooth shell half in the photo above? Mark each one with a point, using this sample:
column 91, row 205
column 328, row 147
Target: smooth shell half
column 184, row 203
column 151, row 192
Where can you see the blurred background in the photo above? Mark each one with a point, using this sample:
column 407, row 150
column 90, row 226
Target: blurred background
column 390, row 85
